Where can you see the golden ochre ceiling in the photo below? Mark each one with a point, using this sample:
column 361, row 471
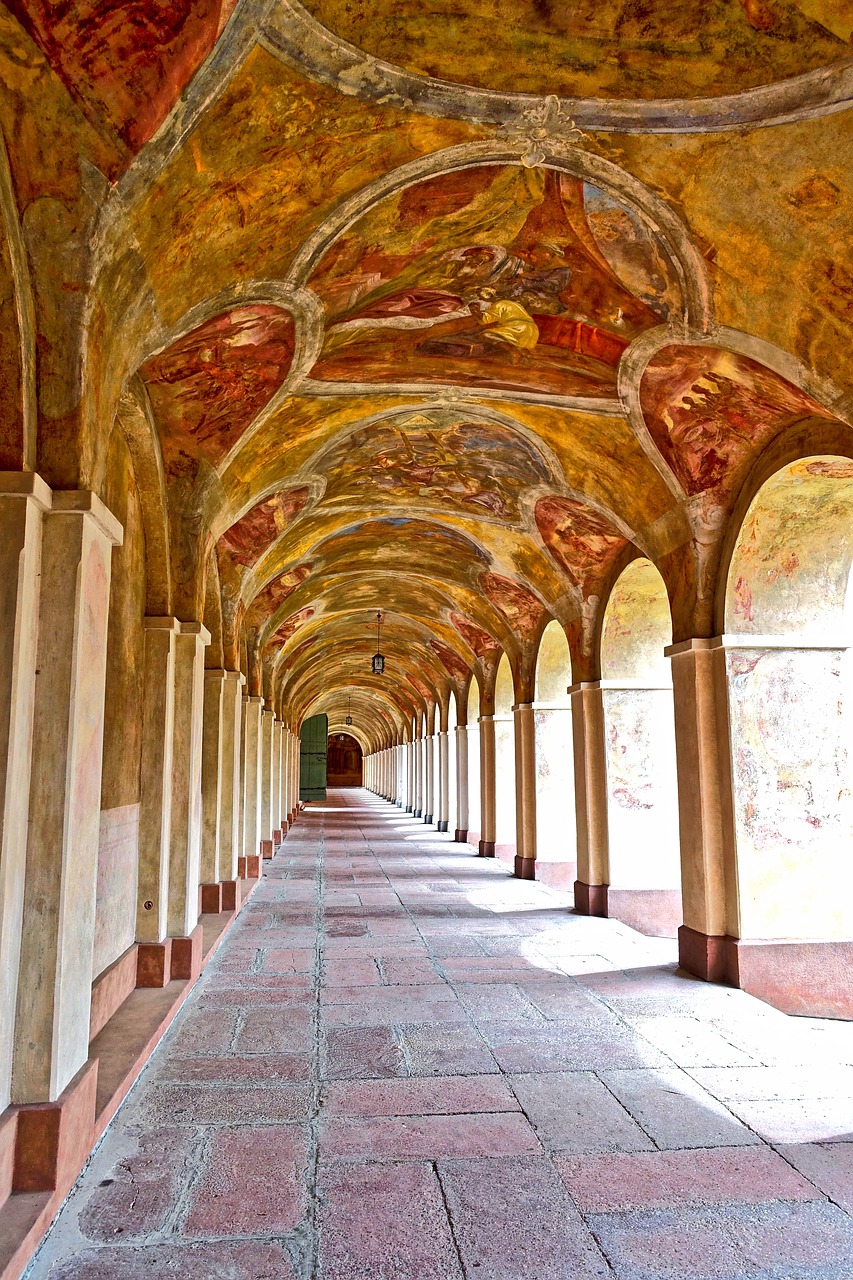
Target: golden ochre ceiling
column 446, row 311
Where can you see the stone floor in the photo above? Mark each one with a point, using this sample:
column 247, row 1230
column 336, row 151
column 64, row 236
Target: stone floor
column 403, row 1064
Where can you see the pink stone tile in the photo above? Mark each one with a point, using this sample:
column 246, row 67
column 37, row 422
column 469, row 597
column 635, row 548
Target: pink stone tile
column 668, row 1179
column 272, row 1030
column 296, row 961
column 234, row 1259
column 428, row 1137
column 828, row 1165
column 202, row 1031
column 394, row 1009
column 512, row 1220
column 235, row 959
column 379, row 1222
column 438, row 1095
column 203, row 1104
column 445, row 1050
column 363, row 1053
column 350, row 973
column 136, row 1195
column 253, row 1183
column 408, row 972
column 257, row 1069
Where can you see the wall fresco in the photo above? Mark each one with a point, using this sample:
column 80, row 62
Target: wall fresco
column 483, row 644
column 267, row 602
column 637, row 627
column 249, row 538
column 435, row 460
column 456, row 668
column 209, row 385
column 790, row 570
column 610, row 48
column 508, row 277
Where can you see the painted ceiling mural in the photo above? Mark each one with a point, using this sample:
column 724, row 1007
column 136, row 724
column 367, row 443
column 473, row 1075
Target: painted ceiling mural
column 444, row 311
column 501, row 276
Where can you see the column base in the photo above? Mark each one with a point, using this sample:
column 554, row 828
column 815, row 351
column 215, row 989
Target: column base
column 486, row 849
column 443, row 826
column 417, row 813
column 154, row 963
column 187, row 955
column 428, row 817
column 54, row 1138
column 408, row 808
column 809, row 979
column 277, row 836
column 222, row 896
column 525, row 868
column 266, row 849
column 249, row 868
column 590, row 899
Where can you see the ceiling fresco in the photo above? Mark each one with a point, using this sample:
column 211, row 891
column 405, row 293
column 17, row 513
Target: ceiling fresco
column 598, row 48
column 445, row 311
column 503, row 276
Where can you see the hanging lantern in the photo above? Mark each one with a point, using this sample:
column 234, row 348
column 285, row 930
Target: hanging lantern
column 349, row 710
column 378, row 659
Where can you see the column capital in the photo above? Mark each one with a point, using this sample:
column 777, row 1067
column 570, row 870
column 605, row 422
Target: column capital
column 82, row 502
column 584, row 686
column 26, row 484
column 161, row 624
column 194, row 629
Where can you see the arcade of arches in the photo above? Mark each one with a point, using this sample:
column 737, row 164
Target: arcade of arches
column 529, row 331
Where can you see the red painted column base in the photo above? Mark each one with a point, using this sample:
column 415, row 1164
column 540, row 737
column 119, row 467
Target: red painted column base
column 590, row 899
column 486, row 849
column 460, row 835
column 55, row 1138
column 525, row 868
column 266, row 849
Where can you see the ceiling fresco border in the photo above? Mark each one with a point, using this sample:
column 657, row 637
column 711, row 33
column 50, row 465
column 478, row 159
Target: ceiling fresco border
column 291, row 33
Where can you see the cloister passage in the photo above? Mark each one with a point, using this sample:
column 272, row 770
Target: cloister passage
column 403, row 1062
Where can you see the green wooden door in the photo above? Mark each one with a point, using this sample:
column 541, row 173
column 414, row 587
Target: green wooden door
column 313, row 746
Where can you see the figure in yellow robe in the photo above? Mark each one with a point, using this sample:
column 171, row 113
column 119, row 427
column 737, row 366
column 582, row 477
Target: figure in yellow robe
column 509, row 322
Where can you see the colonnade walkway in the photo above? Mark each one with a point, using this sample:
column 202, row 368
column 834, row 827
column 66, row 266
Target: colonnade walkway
column 403, row 1064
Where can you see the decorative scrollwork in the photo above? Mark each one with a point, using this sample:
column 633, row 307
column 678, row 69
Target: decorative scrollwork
column 541, row 131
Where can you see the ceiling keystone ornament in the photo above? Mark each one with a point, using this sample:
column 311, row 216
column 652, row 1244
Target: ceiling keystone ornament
column 542, row 131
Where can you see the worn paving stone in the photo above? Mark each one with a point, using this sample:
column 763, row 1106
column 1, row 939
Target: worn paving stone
column 231, row 1259
column 445, row 1050
column 675, row 1111
column 574, row 1111
column 828, row 1166
column 428, row 1137
column 513, row 1220
column 439, row 1095
column 359, row 1053
column 253, row 1183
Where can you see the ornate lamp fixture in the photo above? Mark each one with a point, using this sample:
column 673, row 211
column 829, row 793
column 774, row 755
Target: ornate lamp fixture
column 349, row 710
column 378, row 666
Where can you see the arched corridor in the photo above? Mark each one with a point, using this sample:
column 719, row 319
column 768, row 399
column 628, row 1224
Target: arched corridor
column 392, row 1025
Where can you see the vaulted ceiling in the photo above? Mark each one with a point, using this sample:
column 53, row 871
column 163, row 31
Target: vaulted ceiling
column 437, row 310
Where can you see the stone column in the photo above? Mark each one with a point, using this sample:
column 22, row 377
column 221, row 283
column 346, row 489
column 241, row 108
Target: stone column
column 429, row 778
column 211, row 788
column 443, row 807
column 229, row 817
column 252, row 787
column 55, row 971
column 185, row 843
column 286, row 761
column 525, row 791
column 155, row 800
column 401, row 775
column 462, row 814
column 24, row 498
column 488, row 817
column 590, row 798
column 705, row 808
column 418, row 786
column 266, row 754
column 276, row 809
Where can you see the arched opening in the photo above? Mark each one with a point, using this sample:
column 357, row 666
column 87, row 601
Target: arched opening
column 639, row 726
column 787, row 642
column 556, row 833
column 505, row 834
column 475, row 811
column 344, row 763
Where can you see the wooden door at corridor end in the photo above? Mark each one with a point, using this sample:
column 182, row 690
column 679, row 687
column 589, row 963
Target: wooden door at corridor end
column 313, row 739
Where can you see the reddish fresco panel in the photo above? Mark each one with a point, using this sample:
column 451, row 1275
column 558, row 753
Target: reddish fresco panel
column 127, row 64
column 583, row 543
column 425, row 693
column 479, row 640
column 209, row 386
column 275, row 593
column 709, row 411
column 451, row 661
column 519, row 606
column 250, row 537
column 290, row 626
